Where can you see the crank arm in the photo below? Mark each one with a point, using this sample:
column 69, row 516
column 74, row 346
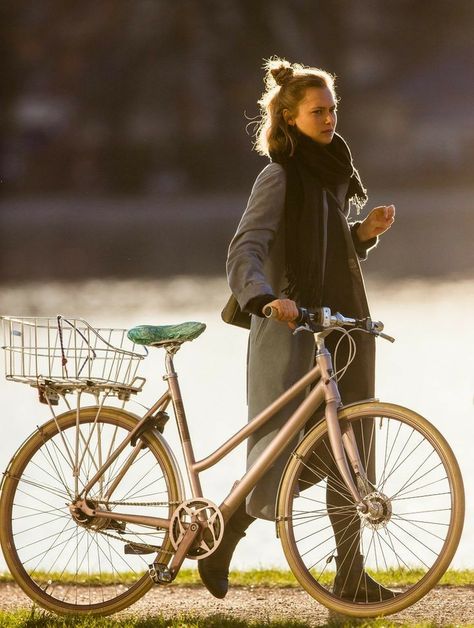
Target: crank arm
column 183, row 548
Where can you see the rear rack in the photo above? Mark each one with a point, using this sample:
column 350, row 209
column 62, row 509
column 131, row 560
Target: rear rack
column 58, row 355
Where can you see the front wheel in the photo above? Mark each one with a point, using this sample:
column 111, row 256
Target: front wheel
column 78, row 564
column 406, row 543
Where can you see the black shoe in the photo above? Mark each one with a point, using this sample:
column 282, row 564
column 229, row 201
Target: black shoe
column 214, row 570
column 352, row 583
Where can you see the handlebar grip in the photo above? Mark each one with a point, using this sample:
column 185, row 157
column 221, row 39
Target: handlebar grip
column 271, row 312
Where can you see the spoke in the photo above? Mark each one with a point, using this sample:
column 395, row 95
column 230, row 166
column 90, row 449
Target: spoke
column 422, row 512
column 377, row 536
column 90, row 538
column 410, row 482
column 355, row 536
column 42, row 524
column 415, row 525
column 325, row 470
column 38, row 512
column 315, row 515
column 334, row 476
column 45, row 487
column 386, row 446
column 415, row 538
column 55, row 477
column 390, row 544
column 319, row 531
column 45, row 503
column 363, row 573
column 399, row 499
column 422, row 486
column 366, row 453
column 404, row 459
column 52, row 546
column 58, row 468
column 323, row 503
column 391, row 532
column 129, row 495
column 430, row 523
column 346, row 538
column 112, row 442
column 100, row 568
column 386, row 460
column 74, row 551
column 45, row 538
column 112, row 470
column 92, row 427
column 120, row 556
column 87, row 450
column 311, row 549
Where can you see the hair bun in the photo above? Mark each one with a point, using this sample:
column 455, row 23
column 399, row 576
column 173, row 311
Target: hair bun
column 282, row 74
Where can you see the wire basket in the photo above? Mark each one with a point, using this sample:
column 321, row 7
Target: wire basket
column 68, row 353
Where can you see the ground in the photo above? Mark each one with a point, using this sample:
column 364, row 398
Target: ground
column 445, row 605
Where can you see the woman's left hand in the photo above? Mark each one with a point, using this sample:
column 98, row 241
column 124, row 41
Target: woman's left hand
column 377, row 222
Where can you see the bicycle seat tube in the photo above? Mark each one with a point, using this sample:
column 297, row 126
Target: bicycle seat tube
column 183, row 430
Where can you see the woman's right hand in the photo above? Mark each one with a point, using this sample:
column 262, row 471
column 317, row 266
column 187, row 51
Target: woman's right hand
column 286, row 309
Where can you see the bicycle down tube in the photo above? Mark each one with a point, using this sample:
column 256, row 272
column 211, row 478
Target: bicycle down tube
column 325, row 390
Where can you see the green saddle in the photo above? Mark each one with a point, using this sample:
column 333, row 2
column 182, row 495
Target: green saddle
column 161, row 334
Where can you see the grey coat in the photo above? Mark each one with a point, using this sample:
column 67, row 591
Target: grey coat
column 276, row 358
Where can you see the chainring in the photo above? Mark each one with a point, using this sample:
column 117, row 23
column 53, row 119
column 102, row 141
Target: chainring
column 208, row 515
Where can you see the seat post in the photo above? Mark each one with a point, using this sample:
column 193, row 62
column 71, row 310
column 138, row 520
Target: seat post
column 183, row 430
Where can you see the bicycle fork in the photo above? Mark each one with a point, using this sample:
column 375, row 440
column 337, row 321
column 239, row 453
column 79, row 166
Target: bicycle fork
column 343, row 442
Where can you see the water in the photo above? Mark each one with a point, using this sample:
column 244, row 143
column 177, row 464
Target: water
column 429, row 369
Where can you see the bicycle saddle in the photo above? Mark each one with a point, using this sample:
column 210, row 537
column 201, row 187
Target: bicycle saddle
column 152, row 335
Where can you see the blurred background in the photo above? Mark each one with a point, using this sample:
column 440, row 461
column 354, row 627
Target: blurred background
column 126, row 161
column 121, row 116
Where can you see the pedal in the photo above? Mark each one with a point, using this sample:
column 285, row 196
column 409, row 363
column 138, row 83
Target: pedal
column 139, row 548
column 159, row 573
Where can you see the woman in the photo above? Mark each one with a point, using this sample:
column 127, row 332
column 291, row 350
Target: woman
column 295, row 246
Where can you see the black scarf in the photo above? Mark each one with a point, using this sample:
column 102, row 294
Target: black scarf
column 313, row 168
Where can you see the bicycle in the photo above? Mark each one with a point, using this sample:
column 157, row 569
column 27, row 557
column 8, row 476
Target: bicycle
column 73, row 497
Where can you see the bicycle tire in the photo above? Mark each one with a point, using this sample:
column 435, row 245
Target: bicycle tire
column 418, row 545
column 47, row 551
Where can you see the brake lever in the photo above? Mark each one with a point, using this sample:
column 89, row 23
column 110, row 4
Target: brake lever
column 304, row 327
column 385, row 336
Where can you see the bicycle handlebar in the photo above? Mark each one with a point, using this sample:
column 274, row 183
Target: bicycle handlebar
column 322, row 318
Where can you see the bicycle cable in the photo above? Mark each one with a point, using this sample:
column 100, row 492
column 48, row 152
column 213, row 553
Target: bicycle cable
column 338, row 375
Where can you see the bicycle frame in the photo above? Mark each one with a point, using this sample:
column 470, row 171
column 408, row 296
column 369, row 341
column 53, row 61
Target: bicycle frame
column 324, row 390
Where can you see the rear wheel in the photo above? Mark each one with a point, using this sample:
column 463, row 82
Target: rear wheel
column 415, row 525
column 69, row 563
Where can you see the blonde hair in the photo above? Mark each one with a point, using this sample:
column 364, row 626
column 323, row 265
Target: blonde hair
column 285, row 87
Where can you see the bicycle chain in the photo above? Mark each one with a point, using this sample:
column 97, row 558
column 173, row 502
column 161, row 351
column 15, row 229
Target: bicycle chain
column 109, row 503
column 119, row 538
column 153, row 547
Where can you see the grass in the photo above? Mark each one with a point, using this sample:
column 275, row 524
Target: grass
column 39, row 619
column 260, row 578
